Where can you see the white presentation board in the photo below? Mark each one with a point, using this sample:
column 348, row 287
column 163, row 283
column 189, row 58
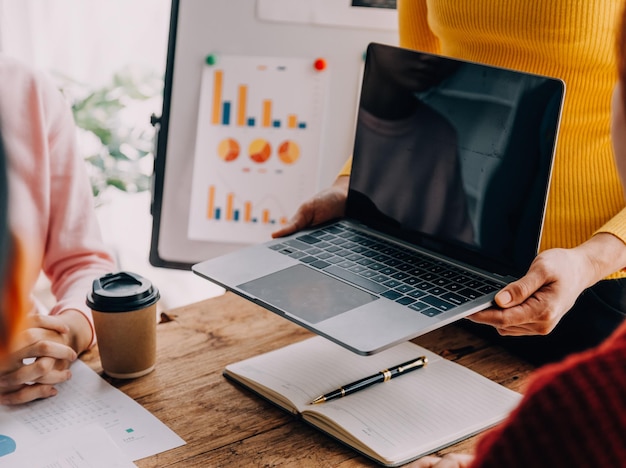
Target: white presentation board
column 258, row 115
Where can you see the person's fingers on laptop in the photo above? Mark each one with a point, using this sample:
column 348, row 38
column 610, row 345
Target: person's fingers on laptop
column 296, row 223
column 519, row 291
column 548, row 270
column 550, row 273
column 537, row 315
column 534, row 307
column 326, row 205
column 501, row 319
column 516, row 321
column 513, row 303
column 305, row 217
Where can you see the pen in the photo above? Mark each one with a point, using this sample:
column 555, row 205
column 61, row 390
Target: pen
column 382, row 376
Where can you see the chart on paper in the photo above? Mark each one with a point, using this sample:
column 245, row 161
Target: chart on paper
column 82, row 402
column 257, row 145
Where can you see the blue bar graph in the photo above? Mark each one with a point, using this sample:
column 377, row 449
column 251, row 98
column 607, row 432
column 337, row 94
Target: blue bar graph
column 226, row 113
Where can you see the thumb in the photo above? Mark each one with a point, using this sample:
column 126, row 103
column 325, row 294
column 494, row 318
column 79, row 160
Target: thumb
column 503, row 298
column 518, row 291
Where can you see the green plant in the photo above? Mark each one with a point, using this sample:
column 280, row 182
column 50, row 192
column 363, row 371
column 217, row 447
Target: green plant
column 115, row 134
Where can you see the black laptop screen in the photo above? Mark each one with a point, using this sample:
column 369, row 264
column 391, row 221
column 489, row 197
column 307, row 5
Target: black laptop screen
column 455, row 156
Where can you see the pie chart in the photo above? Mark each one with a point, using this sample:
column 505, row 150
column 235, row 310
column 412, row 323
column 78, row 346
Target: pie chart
column 289, row 152
column 228, row 149
column 7, row 445
column 259, row 150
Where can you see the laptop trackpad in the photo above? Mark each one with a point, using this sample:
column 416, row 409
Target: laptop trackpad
column 307, row 293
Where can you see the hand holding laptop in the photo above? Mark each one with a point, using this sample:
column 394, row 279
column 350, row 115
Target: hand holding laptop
column 534, row 304
column 328, row 204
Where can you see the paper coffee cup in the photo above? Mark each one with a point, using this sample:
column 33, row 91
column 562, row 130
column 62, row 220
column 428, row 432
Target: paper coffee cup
column 124, row 314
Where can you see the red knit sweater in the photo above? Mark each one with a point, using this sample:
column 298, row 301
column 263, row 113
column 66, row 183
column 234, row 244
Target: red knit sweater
column 573, row 414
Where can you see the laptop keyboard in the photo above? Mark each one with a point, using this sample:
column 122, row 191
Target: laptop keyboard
column 420, row 282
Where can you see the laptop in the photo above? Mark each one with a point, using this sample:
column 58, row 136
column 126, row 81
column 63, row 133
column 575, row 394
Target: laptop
column 450, row 174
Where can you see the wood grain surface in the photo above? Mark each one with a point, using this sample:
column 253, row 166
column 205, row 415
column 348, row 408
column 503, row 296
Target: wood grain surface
column 226, row 425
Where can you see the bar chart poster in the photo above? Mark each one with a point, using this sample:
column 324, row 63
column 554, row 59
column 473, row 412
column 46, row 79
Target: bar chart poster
column 257, row 147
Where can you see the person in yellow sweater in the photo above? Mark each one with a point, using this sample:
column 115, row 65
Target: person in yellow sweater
column 575, row 291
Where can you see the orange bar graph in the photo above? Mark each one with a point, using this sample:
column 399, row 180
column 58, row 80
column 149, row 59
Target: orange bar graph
column 241, row 105
column 247, row 212
column 211, row 207
column 227, row 109
column 267, row 113
column 217, row 96
column 242, row 211
column 230, row 201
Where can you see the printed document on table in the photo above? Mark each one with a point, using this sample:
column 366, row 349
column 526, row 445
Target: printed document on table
column 84, row 400
column 89, row 447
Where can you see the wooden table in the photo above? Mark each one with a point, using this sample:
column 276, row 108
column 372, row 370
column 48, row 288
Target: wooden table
column 225, row 425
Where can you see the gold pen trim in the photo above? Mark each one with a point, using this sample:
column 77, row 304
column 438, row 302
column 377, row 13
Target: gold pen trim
column 386, row 375
column 318, row 400
column 418, row 363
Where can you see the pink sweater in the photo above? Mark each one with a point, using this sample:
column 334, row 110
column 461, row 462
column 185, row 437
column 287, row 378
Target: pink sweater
column 50, row 200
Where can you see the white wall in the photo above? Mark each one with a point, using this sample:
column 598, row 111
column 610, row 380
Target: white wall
column 86, row 39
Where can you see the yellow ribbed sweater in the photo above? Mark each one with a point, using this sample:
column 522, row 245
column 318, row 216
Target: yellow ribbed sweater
column 569, row 39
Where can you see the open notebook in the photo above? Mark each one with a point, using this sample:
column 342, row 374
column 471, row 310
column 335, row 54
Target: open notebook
column 393, row 422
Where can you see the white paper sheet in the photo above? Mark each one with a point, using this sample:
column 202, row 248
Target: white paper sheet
column 84, row 400
column 90, row 447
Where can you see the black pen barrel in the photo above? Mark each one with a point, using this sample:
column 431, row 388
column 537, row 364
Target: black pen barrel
column 364, row 383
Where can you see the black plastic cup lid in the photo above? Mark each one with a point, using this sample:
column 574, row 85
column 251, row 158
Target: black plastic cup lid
column 121, row 292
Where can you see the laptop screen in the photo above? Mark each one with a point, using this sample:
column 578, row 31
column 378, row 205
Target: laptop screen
column 454, row 156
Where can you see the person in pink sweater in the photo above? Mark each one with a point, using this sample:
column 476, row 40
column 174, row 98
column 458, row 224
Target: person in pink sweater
column 52, row 218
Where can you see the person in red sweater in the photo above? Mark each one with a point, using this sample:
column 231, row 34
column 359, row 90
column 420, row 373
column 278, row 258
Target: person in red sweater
column 573, row 413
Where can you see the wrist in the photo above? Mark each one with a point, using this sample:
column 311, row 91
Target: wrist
column 605, row 254
column 80, row 335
